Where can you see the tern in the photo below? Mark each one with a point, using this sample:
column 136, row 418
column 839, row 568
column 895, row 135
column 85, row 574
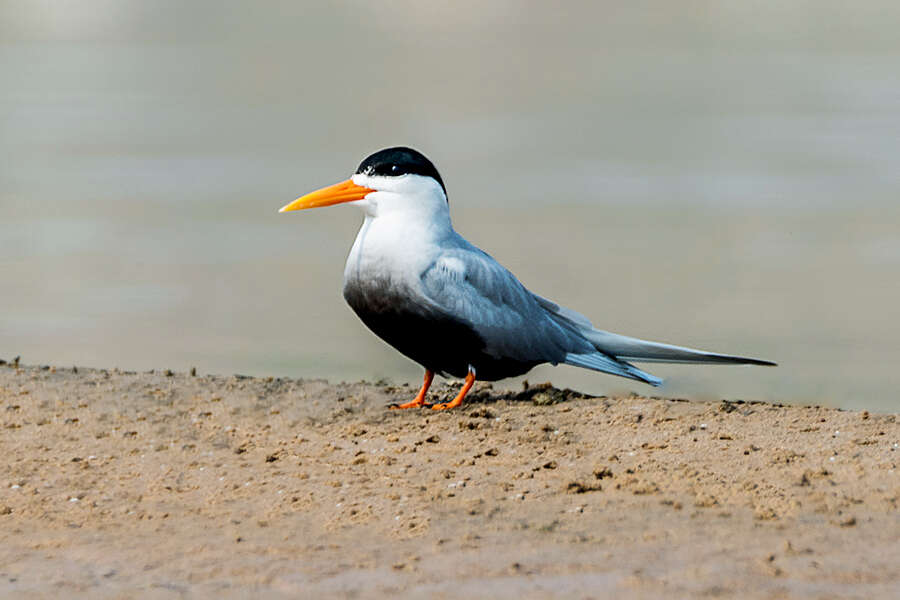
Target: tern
column 448, row 305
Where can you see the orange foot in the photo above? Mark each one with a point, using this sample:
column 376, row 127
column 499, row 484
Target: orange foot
column 419, row 400
column 470, row 381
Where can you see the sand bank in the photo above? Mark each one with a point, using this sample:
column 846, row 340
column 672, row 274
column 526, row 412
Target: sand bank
column 172, row 485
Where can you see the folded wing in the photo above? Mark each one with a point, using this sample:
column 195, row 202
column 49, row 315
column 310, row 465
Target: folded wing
column 467, row 284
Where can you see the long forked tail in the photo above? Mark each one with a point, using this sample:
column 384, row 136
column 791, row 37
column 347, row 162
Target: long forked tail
column 606, row 364
column 613, row 350
column 629, row 348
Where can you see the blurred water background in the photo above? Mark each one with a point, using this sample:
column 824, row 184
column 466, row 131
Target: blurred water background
column 724, row 175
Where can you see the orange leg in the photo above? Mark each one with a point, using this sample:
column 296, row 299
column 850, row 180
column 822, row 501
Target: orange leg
column 470, row 381
column 420, row 397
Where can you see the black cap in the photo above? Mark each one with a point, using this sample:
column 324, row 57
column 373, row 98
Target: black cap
column 400, row 160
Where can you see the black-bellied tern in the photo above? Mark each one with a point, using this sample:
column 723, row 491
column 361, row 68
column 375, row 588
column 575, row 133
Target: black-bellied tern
column 448, row 305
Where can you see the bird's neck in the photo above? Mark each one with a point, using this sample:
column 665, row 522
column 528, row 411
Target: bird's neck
column 397, row 245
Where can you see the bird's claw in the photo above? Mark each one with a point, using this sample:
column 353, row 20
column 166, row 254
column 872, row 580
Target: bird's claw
column 412, row 404
column 444, row 405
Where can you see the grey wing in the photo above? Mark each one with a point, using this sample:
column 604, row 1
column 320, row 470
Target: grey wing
column 466, row 284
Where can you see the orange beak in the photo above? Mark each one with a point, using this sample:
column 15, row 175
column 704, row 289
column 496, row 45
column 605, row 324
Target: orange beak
column 345, row 191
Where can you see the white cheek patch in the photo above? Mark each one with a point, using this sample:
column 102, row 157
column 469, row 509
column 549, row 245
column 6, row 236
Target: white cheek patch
column 404, row 184
column 363, row 180
column 379, row 183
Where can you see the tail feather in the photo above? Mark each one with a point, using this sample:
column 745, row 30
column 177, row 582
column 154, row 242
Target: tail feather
column 600, row 362
column 629, row 348
column 614, row 349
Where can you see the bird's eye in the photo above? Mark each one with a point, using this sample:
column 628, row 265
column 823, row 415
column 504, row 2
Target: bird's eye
column 394, row 168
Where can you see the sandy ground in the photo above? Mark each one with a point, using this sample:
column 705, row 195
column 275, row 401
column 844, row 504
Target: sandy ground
column 167, row 485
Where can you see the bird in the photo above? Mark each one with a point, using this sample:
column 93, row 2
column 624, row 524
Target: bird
column 448, row 305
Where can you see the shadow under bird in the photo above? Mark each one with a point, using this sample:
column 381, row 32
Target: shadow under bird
column 448, row 305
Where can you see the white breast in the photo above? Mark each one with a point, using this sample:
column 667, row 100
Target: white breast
column 407, row 222
column 393, row 249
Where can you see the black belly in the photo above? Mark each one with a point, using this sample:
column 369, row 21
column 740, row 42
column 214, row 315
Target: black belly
column 435, row 340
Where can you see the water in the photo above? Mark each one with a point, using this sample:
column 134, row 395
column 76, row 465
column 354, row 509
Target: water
column 719, row 176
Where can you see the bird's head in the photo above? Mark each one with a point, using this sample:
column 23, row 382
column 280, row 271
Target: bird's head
column 391, row 180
